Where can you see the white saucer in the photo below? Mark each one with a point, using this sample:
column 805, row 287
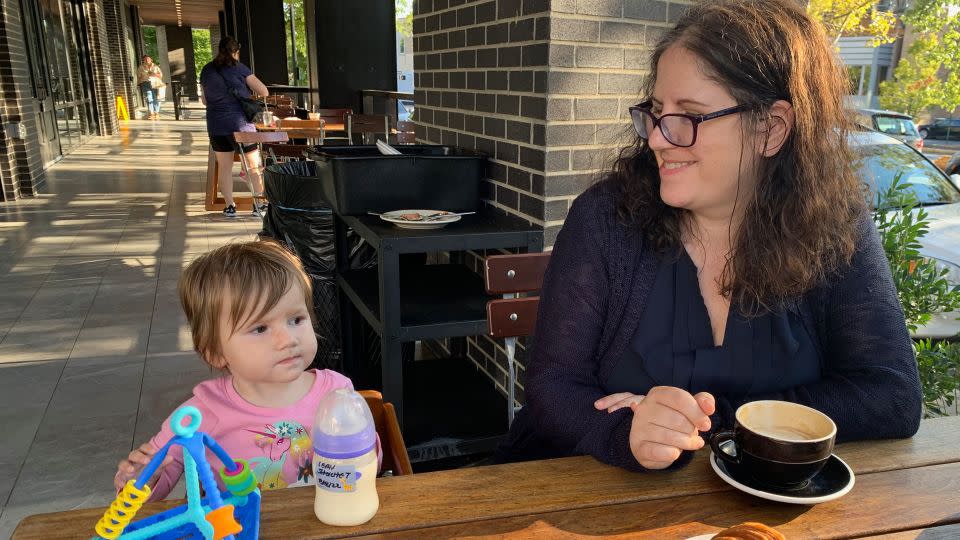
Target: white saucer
column 436, row 223
column 835, row 480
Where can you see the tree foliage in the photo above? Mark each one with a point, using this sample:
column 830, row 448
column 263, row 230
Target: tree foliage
column 404, row 17
column 296, row 59
column 915, row 85
column 854, row 18
column 928, row 73
column 202, row 49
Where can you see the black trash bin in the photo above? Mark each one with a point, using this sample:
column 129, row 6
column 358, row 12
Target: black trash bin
column 299, row 218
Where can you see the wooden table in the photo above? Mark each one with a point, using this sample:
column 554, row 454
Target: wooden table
column 296, row 132
column 905, row 489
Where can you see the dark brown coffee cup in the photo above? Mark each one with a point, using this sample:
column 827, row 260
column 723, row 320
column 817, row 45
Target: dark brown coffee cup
column 778, row 443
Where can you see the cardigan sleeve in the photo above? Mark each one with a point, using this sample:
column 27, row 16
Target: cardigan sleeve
column 561, row 382
column 870, row 384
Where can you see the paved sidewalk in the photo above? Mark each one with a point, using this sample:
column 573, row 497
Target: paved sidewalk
column 94, row 351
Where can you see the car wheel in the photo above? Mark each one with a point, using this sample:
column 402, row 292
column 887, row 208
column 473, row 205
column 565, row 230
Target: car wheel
column 923, row 133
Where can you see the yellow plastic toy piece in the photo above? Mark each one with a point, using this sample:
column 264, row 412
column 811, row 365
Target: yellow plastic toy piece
column 223, row 522
column 124, row 507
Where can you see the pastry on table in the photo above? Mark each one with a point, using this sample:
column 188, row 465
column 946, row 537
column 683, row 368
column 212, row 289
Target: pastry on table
column 749, row 531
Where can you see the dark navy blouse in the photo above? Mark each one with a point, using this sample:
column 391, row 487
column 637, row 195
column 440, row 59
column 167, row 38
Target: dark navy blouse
column 673, row 344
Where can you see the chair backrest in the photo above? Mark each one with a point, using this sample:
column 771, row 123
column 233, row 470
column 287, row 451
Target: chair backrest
column 301, row 129
column 278, row 150
column 509, row 275
column 368, row 123
column 395, row 457
column 334, row 116
column 246, row 137
column 283, row 111
column 279, row 99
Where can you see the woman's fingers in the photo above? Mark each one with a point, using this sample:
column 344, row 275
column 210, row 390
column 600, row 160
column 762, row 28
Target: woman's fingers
column 625, row 402
column 708, row 404
column 681, row 401
column 656, row 456
column 668, row 437
column 609, row 401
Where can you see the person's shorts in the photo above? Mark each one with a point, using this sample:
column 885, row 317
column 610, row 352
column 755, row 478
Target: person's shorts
column 226, row 143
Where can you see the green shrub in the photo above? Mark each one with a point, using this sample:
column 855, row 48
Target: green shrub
column 923, row 289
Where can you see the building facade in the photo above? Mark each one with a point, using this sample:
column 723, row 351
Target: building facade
column 62, row 66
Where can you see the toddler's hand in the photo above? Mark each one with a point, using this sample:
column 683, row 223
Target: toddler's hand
column 138, row 459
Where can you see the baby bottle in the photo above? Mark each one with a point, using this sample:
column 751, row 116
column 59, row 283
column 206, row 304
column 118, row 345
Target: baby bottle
column 345, row 460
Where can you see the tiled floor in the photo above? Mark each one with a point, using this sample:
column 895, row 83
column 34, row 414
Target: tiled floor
column 94, row 351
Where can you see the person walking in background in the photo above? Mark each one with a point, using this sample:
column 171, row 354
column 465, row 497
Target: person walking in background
column 150, row 81
column 223, row 80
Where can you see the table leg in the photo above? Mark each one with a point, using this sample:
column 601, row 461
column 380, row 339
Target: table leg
column 391, row 350
column 350, row 363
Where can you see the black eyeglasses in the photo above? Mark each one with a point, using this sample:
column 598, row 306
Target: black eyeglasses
column 678, row 129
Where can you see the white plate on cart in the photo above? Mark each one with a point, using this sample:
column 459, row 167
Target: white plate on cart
column 420, row 219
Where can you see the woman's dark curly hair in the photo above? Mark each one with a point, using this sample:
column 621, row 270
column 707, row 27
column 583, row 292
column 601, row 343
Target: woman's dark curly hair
column 800, row 224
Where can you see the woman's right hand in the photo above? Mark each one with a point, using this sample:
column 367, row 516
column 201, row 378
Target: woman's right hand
column 666, row 422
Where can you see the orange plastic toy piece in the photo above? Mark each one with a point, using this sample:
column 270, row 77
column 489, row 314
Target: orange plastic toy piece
column 223, row 522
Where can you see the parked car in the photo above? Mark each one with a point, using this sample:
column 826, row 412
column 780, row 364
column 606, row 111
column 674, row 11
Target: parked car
column 879, row 160
column 897, row 125
column 941, row 128
column 953, row 165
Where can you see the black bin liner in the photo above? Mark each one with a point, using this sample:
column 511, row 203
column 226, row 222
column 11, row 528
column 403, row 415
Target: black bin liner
column 299, row 218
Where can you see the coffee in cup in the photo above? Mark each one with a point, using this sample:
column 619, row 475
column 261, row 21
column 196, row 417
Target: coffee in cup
column 778, row 443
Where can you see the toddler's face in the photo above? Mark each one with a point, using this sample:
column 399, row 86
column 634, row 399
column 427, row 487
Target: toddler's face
column 275, row 348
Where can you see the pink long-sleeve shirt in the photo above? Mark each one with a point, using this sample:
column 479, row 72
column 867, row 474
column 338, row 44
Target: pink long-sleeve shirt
column 274, row 441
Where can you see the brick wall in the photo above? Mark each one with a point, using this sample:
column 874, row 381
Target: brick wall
column 21, row 162
column 542, row 87
column 101, row 62
column 121, row 65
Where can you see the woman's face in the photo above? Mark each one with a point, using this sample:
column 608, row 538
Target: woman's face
column 709, row 177
column 147, row 60
column 235, row 55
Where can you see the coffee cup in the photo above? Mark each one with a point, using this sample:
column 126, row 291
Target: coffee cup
column 778, row 443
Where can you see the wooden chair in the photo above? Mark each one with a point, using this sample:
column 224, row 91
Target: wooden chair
column 281, row 152
column 406, row 132
column 302, row 129
column 213, row 201
column 514, row 315
column 395, row 457
column 368, row 124
column 334, row 120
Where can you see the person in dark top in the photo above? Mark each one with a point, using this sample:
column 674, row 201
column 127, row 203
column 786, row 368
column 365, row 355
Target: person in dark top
column 728, row 257
column 225, row 116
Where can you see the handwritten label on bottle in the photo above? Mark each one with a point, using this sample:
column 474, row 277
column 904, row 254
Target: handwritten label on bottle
column 336, row 478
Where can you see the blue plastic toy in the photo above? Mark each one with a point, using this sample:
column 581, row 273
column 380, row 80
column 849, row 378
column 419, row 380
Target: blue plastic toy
column 233, row 514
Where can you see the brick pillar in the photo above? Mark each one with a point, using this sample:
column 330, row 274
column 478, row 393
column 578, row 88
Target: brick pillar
column 542, row 87
column 215, row 36
column 21, row 161
column 101, row 62
column 122, row 66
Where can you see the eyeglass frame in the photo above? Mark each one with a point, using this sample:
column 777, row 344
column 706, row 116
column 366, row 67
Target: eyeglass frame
column 695, row 119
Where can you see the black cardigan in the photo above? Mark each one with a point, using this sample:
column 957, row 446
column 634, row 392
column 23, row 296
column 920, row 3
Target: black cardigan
column 595, row 290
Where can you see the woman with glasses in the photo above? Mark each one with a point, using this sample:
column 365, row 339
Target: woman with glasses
column 727, row 257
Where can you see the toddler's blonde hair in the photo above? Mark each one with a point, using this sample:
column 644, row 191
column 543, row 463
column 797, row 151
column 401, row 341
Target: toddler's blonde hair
column 251, row 276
